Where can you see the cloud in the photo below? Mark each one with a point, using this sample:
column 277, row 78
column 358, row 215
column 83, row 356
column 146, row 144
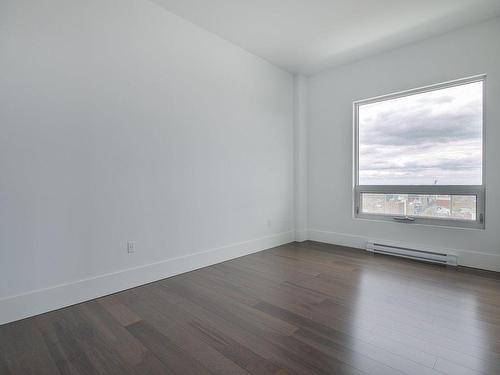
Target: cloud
column 422, row 138
column 421, row 124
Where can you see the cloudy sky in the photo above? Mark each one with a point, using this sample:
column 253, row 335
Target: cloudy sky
column 423, row 139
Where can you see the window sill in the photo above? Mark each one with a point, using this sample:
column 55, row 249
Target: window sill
column 422, row 223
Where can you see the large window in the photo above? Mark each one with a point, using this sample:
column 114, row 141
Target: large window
column 419, row 155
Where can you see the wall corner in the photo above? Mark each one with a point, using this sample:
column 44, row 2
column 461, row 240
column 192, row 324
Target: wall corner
column 301, row 207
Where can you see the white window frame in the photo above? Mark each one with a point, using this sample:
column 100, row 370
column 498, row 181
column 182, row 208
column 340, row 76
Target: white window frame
column 478, row 190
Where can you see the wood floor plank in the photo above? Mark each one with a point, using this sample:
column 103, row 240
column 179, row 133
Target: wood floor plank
column 60, row 353
column 24, row 351
column 86, row 347
column 178, row 324
column 113, row 334
column 349, row 342
column 175, row 359
column 416, row 355
column 298, row 309
column 259, row 341
column 119, row 311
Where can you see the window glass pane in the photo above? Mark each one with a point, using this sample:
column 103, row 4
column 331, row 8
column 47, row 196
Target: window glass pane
column 430, row 138
column 460, row 207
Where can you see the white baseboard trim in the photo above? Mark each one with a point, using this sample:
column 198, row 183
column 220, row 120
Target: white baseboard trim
column 474, row 259
column 44, row 300
column 301, row 235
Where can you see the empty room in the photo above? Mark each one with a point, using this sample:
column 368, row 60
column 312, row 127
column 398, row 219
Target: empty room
column 256, row 187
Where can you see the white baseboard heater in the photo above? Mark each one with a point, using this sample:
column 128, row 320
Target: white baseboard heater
column 416, row 254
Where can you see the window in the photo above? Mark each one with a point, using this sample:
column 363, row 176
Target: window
column 419, row 155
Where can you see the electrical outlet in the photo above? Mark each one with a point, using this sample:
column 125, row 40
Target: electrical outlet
column 131, row 247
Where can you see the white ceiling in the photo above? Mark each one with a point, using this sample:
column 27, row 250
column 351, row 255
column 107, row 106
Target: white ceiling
column 308, row 35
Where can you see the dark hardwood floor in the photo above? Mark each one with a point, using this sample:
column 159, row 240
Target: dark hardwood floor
column 296, row 309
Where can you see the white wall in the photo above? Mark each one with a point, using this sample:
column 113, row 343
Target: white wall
column 462, row 53
column 120, row 121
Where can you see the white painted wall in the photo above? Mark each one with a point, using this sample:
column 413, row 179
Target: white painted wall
column 462, row 53
column 120, row 121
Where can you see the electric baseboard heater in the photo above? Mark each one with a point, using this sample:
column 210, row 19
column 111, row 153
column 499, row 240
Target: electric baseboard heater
column 416, row 254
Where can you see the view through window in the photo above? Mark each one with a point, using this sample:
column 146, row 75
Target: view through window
column 422, row 205
column 420, row 153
